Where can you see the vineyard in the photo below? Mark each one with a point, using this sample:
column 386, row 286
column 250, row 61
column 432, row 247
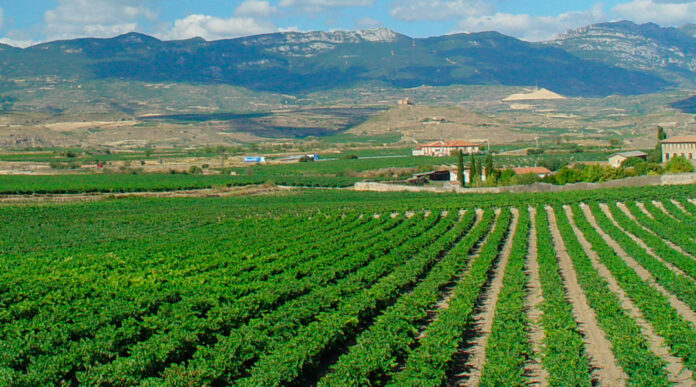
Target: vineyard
column 335, row 288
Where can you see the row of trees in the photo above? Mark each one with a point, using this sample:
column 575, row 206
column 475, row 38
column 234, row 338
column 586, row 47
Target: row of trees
column 476, row 169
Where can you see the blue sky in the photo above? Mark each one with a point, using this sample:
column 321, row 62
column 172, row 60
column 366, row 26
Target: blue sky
column 31, row 21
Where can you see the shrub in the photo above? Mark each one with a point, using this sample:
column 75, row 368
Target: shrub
column 527, row 178
column 679, row 164
column 632, row 162
column 59, row 165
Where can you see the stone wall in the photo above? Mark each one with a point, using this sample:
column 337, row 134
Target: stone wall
column 682, row 179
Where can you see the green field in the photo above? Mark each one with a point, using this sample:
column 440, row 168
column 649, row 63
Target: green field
column 335, row 170
column 122, row 183
column 327, row 287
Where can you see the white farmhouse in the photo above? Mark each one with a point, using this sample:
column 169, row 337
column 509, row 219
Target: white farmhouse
column 445, row 148
column 617, row 159
column 684, row 146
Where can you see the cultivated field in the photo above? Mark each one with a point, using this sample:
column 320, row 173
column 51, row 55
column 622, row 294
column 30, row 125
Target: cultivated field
column 336, row 288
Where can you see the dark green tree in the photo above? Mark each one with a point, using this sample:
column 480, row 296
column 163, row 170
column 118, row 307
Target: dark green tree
column 472, row 168
column 460, row 168
column 490, row 171
column 661, row 135
column 655, row 156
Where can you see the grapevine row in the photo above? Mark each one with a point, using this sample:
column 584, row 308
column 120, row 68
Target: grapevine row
column 390, row 337
column 508, row 347
column 429, row 362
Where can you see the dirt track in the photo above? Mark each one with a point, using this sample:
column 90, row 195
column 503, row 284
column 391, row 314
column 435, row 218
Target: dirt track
column 537, row 374
column 249, row 190
column 483, row 321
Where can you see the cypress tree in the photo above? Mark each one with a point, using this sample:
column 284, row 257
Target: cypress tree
column 661, row 135
column 460, row 168
column 489, row 166
column 655, row 156
column 472, row 169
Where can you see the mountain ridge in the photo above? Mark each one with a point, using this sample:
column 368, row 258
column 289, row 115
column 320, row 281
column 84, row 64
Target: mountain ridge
column 579, row 63
column 666, row 51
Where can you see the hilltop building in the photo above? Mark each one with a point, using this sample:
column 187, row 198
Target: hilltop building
column 684, row 146
column 406, row 101
column 445, row 148
column 617, row 159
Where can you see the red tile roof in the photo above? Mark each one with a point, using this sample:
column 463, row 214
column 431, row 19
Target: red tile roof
column 680, row 140
column 452, row 143
column 534, row 170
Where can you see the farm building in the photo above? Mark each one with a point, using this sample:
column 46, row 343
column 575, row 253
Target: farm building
column 679, row 146
column 405, row 101
column 444, row 175
column 617, row 159
column 539, row 171
column 445, row 148
column 255, row 159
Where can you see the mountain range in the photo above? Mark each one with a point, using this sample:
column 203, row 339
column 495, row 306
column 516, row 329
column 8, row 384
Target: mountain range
column 598, row 60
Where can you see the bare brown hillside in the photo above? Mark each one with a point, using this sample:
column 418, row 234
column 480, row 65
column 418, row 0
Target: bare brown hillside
column 416, row 123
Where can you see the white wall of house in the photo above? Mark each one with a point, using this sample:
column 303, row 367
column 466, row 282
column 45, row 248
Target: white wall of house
column 615, row 161
column 447, row 150
column 687, row 150
column 467, row 176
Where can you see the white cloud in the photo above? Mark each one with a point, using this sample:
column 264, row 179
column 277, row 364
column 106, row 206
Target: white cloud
column 666, row 13
column 290, row 29
column 367, row 22
column 99, row 18
column 532, row 28
column 23, row 43
column 255, row 8
column 314, row 6
column 411, row 10
column 213, row 28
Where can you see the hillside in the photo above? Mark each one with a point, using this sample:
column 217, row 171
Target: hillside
column 421, row 123
column 299, row 63
column 667, row 52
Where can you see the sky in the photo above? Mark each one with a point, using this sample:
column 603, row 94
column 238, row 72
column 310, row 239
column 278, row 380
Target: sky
column 28, row 22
